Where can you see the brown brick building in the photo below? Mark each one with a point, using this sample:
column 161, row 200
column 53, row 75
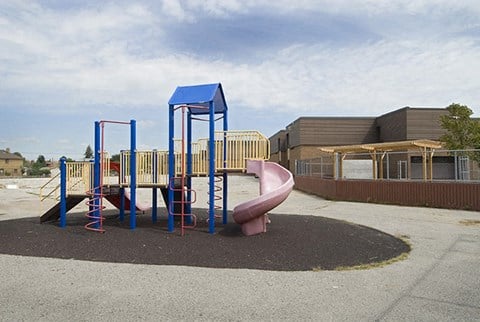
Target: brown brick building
column 301, row 139
column 10, row 164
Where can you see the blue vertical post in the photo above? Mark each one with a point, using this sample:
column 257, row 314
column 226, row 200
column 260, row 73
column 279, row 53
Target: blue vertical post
column 96, row 177
column 91, row 187
column 225, row 175
column 133, row 174
column 155, row 182
column 211, row 169
column 171, row 165
column 63, row 192
column 122, row 204
column 188, row 205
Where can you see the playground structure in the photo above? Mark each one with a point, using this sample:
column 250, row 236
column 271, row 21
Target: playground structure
column 171, row 171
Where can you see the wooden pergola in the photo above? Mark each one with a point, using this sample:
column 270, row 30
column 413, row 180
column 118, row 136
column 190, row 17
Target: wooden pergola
column 378, row 151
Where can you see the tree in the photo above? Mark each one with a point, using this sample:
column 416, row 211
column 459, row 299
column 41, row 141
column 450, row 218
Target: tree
column 39, row 167
column 462, row 131
column 41, row 161
column 115, row 157
column 88, row 152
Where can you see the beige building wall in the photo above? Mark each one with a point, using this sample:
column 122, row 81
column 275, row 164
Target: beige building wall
column 9, row 167
column 301, row 138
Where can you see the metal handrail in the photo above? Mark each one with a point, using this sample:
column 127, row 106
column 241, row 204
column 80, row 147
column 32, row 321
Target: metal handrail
column 42, row 198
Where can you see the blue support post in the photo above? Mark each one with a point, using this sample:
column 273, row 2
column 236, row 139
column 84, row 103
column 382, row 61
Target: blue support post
column 155, row 181
column 211, row 169
column 133, row 174
column 63, row 192
column 188, row 205
column 154, row 204
column 225, row 175
column 122, row 204
column 171, row 165
column 96, row 177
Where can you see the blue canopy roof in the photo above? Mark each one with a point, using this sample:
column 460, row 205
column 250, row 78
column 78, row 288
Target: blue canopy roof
column 200, row 95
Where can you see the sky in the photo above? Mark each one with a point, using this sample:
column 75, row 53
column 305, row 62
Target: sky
column 66, row 64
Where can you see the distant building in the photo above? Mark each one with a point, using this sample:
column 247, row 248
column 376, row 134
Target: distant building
column 10, row 164
column 302, row 138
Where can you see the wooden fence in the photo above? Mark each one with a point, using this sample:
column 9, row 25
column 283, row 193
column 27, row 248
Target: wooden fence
column 451, row 195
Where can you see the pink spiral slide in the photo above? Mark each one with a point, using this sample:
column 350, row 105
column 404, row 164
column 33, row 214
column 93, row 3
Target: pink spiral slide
column 276, row 183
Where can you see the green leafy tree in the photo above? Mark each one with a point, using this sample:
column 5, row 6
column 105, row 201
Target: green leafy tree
column 115, row 157
column 39, row 167
column 462, row 132
column 67, row 159
column 88, row 152
column 40, row 163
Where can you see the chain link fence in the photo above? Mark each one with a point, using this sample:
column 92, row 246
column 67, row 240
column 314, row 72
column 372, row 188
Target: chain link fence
column 441, row 165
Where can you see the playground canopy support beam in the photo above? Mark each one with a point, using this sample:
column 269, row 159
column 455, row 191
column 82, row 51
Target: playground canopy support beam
column 225, row 175
column 211, row 170
column 171, row 163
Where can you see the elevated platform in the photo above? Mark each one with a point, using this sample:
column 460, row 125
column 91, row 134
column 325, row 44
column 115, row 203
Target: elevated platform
column 110, row 193
column 232, row 149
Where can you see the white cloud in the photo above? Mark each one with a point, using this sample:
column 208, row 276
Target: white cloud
column 361, row 80
column 27, row 139
column 83, row 59
column 175, row 9
column 224, row 8
column 220, row 8
column 146, row 124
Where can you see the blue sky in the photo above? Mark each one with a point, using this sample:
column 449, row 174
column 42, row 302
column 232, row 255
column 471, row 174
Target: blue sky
column 65, row 64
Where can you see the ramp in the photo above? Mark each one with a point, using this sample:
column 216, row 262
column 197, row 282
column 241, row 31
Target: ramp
column 54, row 213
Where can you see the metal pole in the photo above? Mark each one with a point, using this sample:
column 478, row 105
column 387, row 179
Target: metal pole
column 96, row 176
column 211, row 169
column 225, row 175
column 171, row 166
column 133, row 174
column 455, row 158
column 63, row 192
column 122, row 204
column 188, row 205
column 155, row 182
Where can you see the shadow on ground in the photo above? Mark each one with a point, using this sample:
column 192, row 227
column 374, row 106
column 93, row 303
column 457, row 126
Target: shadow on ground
column 292, row 243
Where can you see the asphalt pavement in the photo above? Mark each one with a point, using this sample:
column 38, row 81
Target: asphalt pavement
column 439, row 281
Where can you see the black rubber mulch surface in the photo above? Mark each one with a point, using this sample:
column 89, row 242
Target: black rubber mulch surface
column 292, row 243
